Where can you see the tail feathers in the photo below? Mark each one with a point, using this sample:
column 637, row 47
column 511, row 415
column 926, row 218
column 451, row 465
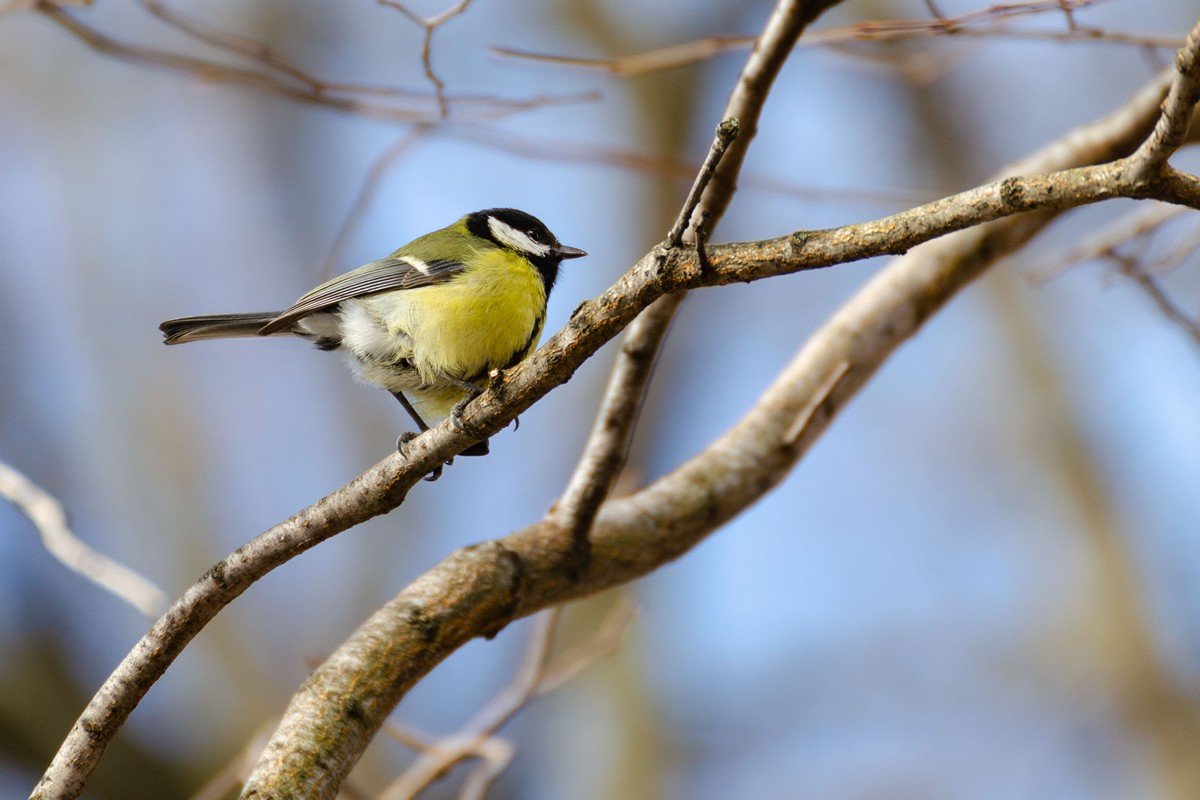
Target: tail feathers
column 215, row 326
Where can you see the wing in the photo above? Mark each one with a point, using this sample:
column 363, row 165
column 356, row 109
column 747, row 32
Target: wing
column 384, row 275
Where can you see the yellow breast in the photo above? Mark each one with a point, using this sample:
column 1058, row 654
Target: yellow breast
column 482, row 319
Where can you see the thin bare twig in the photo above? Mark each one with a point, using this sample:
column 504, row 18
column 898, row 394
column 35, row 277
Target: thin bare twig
column 934, row 10
column 48, row 517
column 239, row 45
column 1124, row 245
column 726, row 133
column 276, row 76
column 536, row 676
column 1184, row 249
column 1132, row 269
column 429, row 25
column 1137, row 225
column 982, row 23
column 234, row 774
column 8, row 6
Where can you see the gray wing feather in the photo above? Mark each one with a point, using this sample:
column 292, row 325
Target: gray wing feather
column 384, row 275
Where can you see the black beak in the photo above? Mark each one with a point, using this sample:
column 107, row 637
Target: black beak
column 563, row 251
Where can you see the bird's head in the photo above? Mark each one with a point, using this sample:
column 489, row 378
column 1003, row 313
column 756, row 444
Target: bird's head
column 525, row 235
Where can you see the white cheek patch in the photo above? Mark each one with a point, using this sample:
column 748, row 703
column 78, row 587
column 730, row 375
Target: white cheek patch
column 516, row 239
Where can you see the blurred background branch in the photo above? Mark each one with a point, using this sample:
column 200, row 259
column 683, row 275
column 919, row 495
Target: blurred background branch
column 48, row 517
column 980, row 23
column 285, row 79
column 538, row 674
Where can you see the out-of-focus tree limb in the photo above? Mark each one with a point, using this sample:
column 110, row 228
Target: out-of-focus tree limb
column 1124, row 244
column 405, row 107
column 286, row 80
column 1135, row 227
column 478, row 590
column 1133, row 269
column 983, row 23
column 429, row 25
column 47, row 515
column 538, row 675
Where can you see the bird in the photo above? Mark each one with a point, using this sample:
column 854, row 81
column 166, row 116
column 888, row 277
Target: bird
column 428, row 323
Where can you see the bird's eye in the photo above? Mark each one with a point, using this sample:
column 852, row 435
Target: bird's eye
column 534, row 234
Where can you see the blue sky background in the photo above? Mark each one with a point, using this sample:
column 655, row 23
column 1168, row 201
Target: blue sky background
column 921, row 610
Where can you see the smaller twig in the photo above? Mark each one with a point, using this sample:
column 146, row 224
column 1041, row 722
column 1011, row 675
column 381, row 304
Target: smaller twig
column 1182, row 251
column 1125, row 244
column 429, row 25
column 230, row 42
column 494, row 757
column 409, row 736
column 686, row 53
column 643, row 63
column 726, row 133
column 536, row 676
column 818, row 398
column 272, row 74
column 9, row 6
column 1068, row 10
column 1172, row 127
column 575, row 660
column 1131, row 268
column 234, row 774
column 934, row 11
column 48, row 517
column 989, row 22
column 1138, row 225
column 497, row 713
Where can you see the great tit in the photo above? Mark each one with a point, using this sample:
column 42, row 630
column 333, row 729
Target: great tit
column 429, row 322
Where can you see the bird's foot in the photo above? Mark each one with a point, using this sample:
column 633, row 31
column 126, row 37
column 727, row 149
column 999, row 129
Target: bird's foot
column 406, row 437
column 456, row 413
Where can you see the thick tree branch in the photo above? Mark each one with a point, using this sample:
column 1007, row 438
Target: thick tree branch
column 479, row 589
column 384, row 486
